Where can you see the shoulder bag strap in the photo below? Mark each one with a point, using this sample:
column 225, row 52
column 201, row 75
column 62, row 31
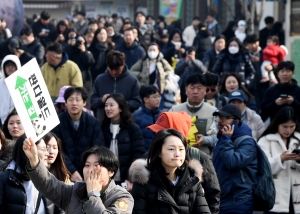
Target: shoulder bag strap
column 38, row 202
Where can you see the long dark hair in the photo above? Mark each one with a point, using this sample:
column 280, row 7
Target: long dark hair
column 5, row 124
column 126, row 119
column 66, row 32
column 58, row 168
column 95, row 39
column 284, row 115
column 241, row 86
column 242, row 48
column 153, row 159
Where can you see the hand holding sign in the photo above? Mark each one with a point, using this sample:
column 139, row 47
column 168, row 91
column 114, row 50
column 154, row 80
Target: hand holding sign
column 32, row 100
column 30, row 151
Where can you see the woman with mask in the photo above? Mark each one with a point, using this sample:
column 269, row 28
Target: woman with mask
column 210, row 57
column 152, row 69
column 12, row 129
column 100, row 46
column 174, row 50
column 279, row 142
column 167, row 182
column 18, row 194
column 235, row 59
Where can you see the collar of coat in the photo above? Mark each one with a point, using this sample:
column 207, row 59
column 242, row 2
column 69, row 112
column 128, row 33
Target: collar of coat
column 81, row 194
column 277, row 138
column 139, row 173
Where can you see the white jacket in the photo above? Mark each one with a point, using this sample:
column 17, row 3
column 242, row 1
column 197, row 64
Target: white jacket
column 255, row 123
column 6, row 103
column 284, row 176
column 189, row 35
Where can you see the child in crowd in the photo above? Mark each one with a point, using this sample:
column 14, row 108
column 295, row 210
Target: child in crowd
column 272, row 54
column 149, row 111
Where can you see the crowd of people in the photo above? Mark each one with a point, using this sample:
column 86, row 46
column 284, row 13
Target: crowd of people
column 150, row 117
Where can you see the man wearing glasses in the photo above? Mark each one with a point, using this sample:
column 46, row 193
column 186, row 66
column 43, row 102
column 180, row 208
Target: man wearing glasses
column 236, row 194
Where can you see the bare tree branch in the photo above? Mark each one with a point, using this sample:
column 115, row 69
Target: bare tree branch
column 261, row 11
column 229, row 8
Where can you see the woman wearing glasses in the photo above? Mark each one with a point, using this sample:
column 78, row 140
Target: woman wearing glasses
column 17, row 192
column 280, row 142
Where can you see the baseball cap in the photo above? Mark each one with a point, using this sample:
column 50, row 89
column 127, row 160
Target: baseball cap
column 229, row 110
column 61, row 98
column 236, row 95
column 81, row 13
column 181, row 121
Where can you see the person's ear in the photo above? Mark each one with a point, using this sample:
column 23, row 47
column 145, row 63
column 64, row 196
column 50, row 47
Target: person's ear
column 84, row 103
column 146, row 99
column 110, row 174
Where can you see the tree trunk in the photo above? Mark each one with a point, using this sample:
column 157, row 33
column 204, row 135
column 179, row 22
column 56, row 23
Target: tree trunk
column 259, row 16
column 252, row 17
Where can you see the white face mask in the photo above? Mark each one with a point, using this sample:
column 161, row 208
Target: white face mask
column 176, row 43
column 152, row 54
column 75, row 20
column 26, row 42
column 233, row 50
column 110, row 35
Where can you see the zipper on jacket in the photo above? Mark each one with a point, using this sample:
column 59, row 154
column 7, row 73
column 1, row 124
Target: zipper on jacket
column 115, row 85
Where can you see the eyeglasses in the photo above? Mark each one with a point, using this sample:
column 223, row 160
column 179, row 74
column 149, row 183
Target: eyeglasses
column 44, row 150
column 157, row 97
column 210, row 89
column 222, row 118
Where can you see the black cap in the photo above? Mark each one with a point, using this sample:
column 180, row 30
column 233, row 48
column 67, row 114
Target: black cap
column 81, row 13
column 14, row 43
column 229, row 111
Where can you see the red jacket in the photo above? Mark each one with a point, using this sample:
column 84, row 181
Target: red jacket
column 274, row 54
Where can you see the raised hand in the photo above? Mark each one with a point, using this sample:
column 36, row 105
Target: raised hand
column 94, row 180
column 30, row 151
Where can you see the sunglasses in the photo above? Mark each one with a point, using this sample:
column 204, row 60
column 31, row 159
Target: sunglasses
column 210, row 89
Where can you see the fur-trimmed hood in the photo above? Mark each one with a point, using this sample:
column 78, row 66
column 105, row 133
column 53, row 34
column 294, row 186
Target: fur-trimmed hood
column 139, row 173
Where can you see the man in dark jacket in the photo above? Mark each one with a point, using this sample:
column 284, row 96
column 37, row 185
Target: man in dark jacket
column 285, row 93
column 114, row 37
column 77, row 52
column 14, row 46
column 210, row 184
column 236, row 196
column 116, row 79
column 187, row 67
column 43, row 28
column 202, row 41
column 131, row 48
column 77, row 130
column 149, row 112
column 32, row 46
column 147, row 31
column 265, row 32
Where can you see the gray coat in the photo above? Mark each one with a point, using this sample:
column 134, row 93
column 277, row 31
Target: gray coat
column 74, row 200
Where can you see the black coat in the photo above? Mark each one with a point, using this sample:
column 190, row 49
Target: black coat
column 202, row 43
column 117, row 39
column 37, row 50
column 239, row 63
column 98, row 50
column 154, row 193
column 130, row 146
column 37, row 29
column 169, row 51
column 74, row 143
column 268, row 106
column 210, row 59
column 13, row 196
column 263, row 36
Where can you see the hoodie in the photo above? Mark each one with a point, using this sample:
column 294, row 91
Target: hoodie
column 6, row 103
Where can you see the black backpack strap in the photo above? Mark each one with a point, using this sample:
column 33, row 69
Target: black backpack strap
column 38, row 202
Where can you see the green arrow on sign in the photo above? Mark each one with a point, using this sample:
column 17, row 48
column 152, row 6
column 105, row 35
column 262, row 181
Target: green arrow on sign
column 20, row 84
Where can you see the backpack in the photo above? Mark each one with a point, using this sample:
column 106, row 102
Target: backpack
column 263, row 189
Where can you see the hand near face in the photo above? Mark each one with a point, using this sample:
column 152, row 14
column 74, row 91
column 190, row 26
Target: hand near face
column 94, row 181
column 104, row 97
column 31, row 152
column 200, row 141
column 228, row 130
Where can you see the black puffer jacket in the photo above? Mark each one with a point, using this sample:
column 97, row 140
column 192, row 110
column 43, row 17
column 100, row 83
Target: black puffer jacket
column 130, row 146
column 202, row 43
column 154, row 193
column 74, row 142
column 239, row 63
column 13, row 196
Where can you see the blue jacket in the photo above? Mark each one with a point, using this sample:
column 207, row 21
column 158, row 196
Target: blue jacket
column 235, row 193
column 145, row 117
column 74, row 143
column 133, row 53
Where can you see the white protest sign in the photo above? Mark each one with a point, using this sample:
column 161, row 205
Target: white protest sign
column 32, row 100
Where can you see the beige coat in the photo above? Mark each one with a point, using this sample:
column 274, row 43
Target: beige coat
column 141, row 70
column 255, row 123
column 285, row 178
